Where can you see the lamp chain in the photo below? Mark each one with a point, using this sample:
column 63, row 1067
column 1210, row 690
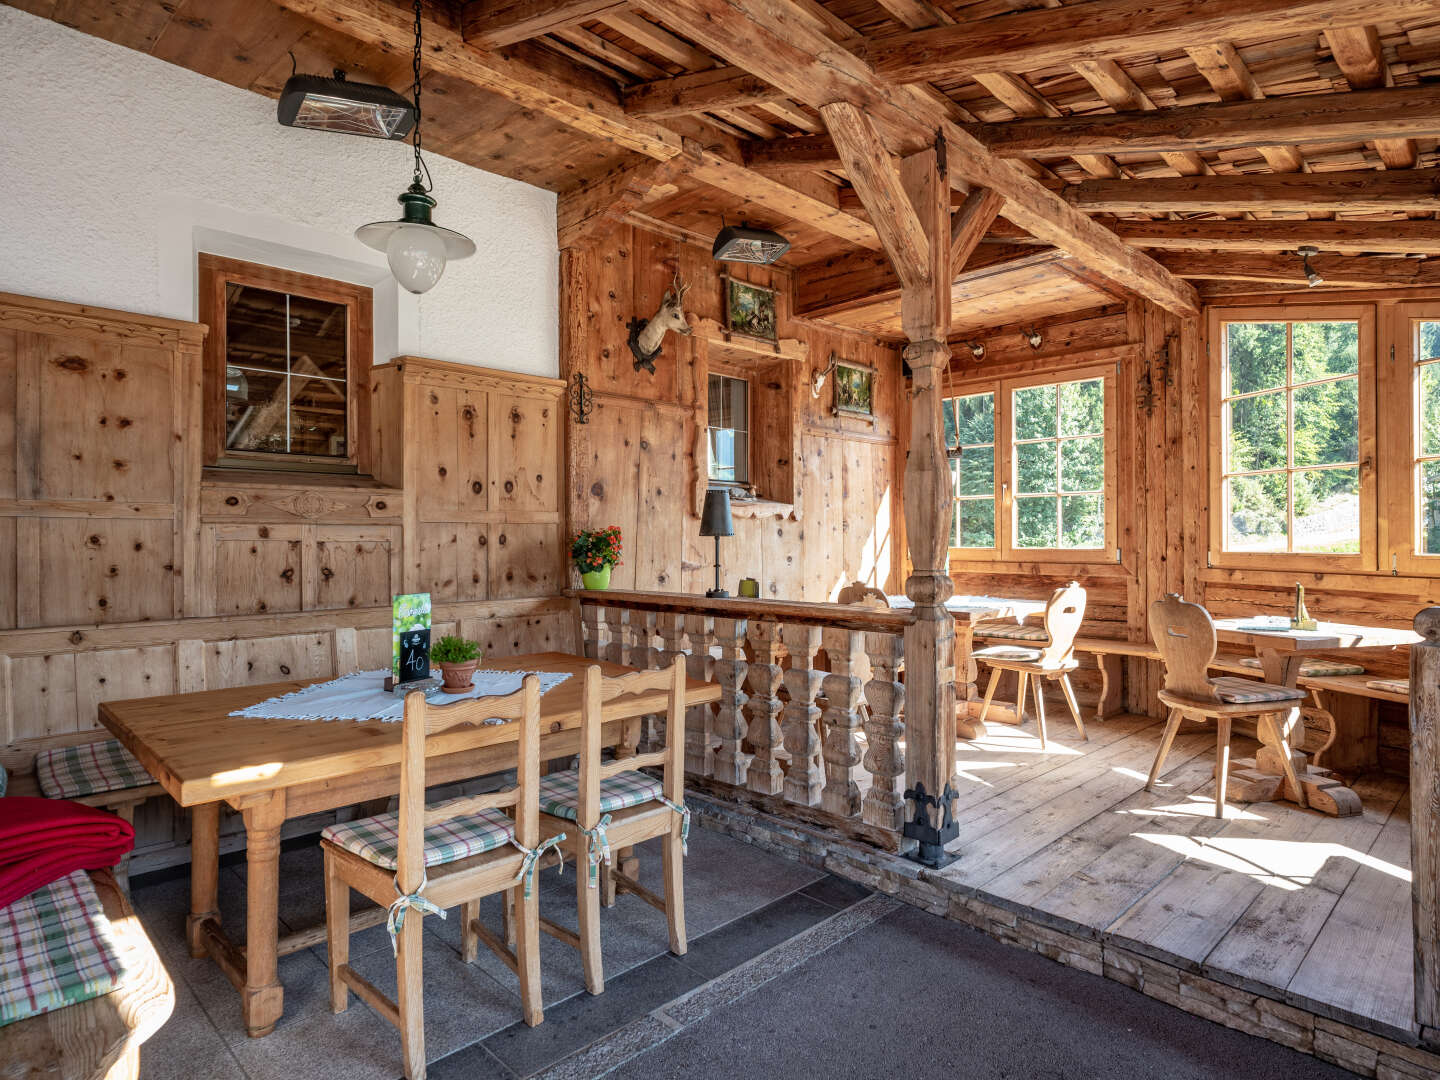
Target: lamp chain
column 420, row 166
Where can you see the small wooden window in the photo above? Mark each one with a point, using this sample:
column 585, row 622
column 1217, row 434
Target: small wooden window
column 1292, row 436
column 1425, row 353
column 729, row 430
column 970, row 441
column 287, row 363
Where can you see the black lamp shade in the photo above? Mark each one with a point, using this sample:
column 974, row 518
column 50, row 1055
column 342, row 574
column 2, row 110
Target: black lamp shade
column 715, row 518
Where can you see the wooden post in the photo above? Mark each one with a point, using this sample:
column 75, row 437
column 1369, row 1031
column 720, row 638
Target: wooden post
column 1424, row 815
column 804, row 778
column 731, row 762
column 885, row 694
column 842, row 689
column 763, row 733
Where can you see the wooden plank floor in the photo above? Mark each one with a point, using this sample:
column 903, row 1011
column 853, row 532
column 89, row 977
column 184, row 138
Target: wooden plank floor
column 1310, row 909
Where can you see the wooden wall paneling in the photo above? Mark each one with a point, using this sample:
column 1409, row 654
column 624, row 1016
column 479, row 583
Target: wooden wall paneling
column 659, row 542
column 437, row 547
column 42, row 694
column 435, row 478
column 115, row 674
column 96, row 570
column 249, row 661
column 353, row 567
column 525, row 560
column 525, row 434
column 253, row 569
column 10, row 415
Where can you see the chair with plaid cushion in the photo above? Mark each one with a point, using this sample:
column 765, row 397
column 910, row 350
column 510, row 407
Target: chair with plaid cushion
column 1185, row 636
column 1052, row 660
column 605, row 805
column 422, row 860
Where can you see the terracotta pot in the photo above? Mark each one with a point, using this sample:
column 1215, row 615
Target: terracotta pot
column 459, row 676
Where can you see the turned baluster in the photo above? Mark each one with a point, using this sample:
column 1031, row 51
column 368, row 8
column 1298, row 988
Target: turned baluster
column 842, row 688
column 804, row 779
column 885, row 694
column 699, row 722
column 671, row 629
column 592, row 629
column 763, row 708
column 614, row 647
column 641, row 654
column 731, row 762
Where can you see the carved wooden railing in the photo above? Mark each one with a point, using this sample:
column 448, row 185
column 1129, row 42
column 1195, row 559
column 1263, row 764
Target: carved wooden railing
column 812, row 738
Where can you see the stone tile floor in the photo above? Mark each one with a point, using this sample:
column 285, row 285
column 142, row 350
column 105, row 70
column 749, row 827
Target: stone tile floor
column 790, row 973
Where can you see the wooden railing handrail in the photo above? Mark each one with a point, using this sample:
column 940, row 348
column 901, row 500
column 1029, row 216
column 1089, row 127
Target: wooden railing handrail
column 805, row 612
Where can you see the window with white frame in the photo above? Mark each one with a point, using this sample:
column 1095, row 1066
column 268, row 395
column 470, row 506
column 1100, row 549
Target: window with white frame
column 1426, row 481
column 729, row 430
column 970, row 440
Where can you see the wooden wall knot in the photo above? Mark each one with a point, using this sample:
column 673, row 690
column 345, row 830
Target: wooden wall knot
column 288, row 573
column 476, row 486
column 76, row 637
column 74, row 364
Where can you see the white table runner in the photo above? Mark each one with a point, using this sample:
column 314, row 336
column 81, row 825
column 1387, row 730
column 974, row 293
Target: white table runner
column 362, row 696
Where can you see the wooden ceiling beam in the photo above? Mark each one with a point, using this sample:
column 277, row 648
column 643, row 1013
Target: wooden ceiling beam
column 703, row 91
column 969, row 224
column 1348, row 271
column 1307, row 118
column 1366, row 190
column 1123, row 94
column 495, row 23
column 1420, row 237
column 787, row 45
column 877, row 179
column 1357, row 52
column 1106, row 29
column 582, row 213
column 802, row 152
column 1229, row 76
column 584, row 102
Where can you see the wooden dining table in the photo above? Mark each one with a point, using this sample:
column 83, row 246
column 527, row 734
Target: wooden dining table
column 271, row 770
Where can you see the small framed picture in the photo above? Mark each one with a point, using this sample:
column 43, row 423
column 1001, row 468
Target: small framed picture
column 750, row 310
column 854, row 390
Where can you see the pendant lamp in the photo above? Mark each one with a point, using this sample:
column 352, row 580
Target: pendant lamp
column 415, row 247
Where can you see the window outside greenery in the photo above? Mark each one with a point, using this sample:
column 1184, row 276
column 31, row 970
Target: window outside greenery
column 1059, row 465
column 1291, row 420
column 729, row 430
column 970, row 440
column 1427, row 458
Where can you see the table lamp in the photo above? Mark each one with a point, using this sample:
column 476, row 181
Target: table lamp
column 715, row 521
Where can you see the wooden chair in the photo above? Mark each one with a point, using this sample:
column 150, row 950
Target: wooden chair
column 1051, row 662
column 478, row 851
column 1185, row 636
column 605, row 805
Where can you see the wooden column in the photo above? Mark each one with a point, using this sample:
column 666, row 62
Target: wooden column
column 804, row 778
column 731, row 762
column 762, row 732
column 1424, row 816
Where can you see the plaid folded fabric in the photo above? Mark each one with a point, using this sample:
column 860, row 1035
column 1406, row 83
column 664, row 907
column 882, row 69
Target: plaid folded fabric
column 560, row 792
column 1314, row 669
column 1238, row 691
column 58, row 949
column 377, row 839
column 1008, row 628
column 1006, row 652
column 71, row 772
column 1395, row 686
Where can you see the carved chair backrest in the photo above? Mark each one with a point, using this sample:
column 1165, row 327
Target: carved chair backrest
column 1063, row 615
column 857, row 592
column 1185, row 637
column 423, row 721
column 597, row 691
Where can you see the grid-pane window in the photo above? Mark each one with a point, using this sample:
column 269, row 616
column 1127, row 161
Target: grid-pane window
column 729, row 430
column 1427, row 431
column 1058, row 441
column 1290, row 416
column 286, row 369
column 970, row 441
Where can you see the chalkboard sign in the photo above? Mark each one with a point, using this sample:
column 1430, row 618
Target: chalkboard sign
column 410, row 639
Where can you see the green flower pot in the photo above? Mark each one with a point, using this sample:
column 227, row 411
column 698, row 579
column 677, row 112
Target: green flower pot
column 597, row 579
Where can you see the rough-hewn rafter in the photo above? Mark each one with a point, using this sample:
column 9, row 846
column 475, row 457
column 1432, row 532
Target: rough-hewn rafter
column 1104, row 29
column 1363, row 190
column 581, row 213
column 800, row 152
column 1357, row 50
column 504, row 22
column 1351, row 271
column 788, row 46
column 718, row 88
column 1307, row 118
column 1352, row 237
column 969, row 223
column 588, row 108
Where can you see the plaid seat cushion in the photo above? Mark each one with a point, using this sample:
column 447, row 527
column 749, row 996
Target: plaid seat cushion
column 1395, row 686
column 560, row 792
column 1008, row 628
column 1314, row 669
column 58, row 949
column 72, row 772
column 1238, row 691
column 1006, row 652
column 377, row 839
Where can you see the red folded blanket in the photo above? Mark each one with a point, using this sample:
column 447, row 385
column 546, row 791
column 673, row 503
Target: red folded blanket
column 42, row 840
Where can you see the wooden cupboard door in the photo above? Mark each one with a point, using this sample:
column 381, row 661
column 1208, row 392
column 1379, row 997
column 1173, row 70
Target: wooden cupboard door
column 455, row 560
column 354, row 568
column 524, row 453
column 525, row 561
column 93, row 570
column 257, row 569
column 450, row 447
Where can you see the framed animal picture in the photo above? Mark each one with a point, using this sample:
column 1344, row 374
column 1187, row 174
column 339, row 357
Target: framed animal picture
column 750, row 310
column 854, row 390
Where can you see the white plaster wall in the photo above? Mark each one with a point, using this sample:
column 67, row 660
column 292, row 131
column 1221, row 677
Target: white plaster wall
column 118, row 168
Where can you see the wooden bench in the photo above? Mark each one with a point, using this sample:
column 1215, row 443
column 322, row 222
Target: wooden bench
column 98, row 1039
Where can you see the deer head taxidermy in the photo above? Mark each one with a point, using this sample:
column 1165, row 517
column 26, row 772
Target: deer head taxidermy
column 648, row 335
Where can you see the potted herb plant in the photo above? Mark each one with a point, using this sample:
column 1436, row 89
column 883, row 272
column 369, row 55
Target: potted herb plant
column 458, row 658
column 596, row 552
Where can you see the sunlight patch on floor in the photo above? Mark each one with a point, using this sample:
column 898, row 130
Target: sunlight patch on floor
column 1283, row 864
